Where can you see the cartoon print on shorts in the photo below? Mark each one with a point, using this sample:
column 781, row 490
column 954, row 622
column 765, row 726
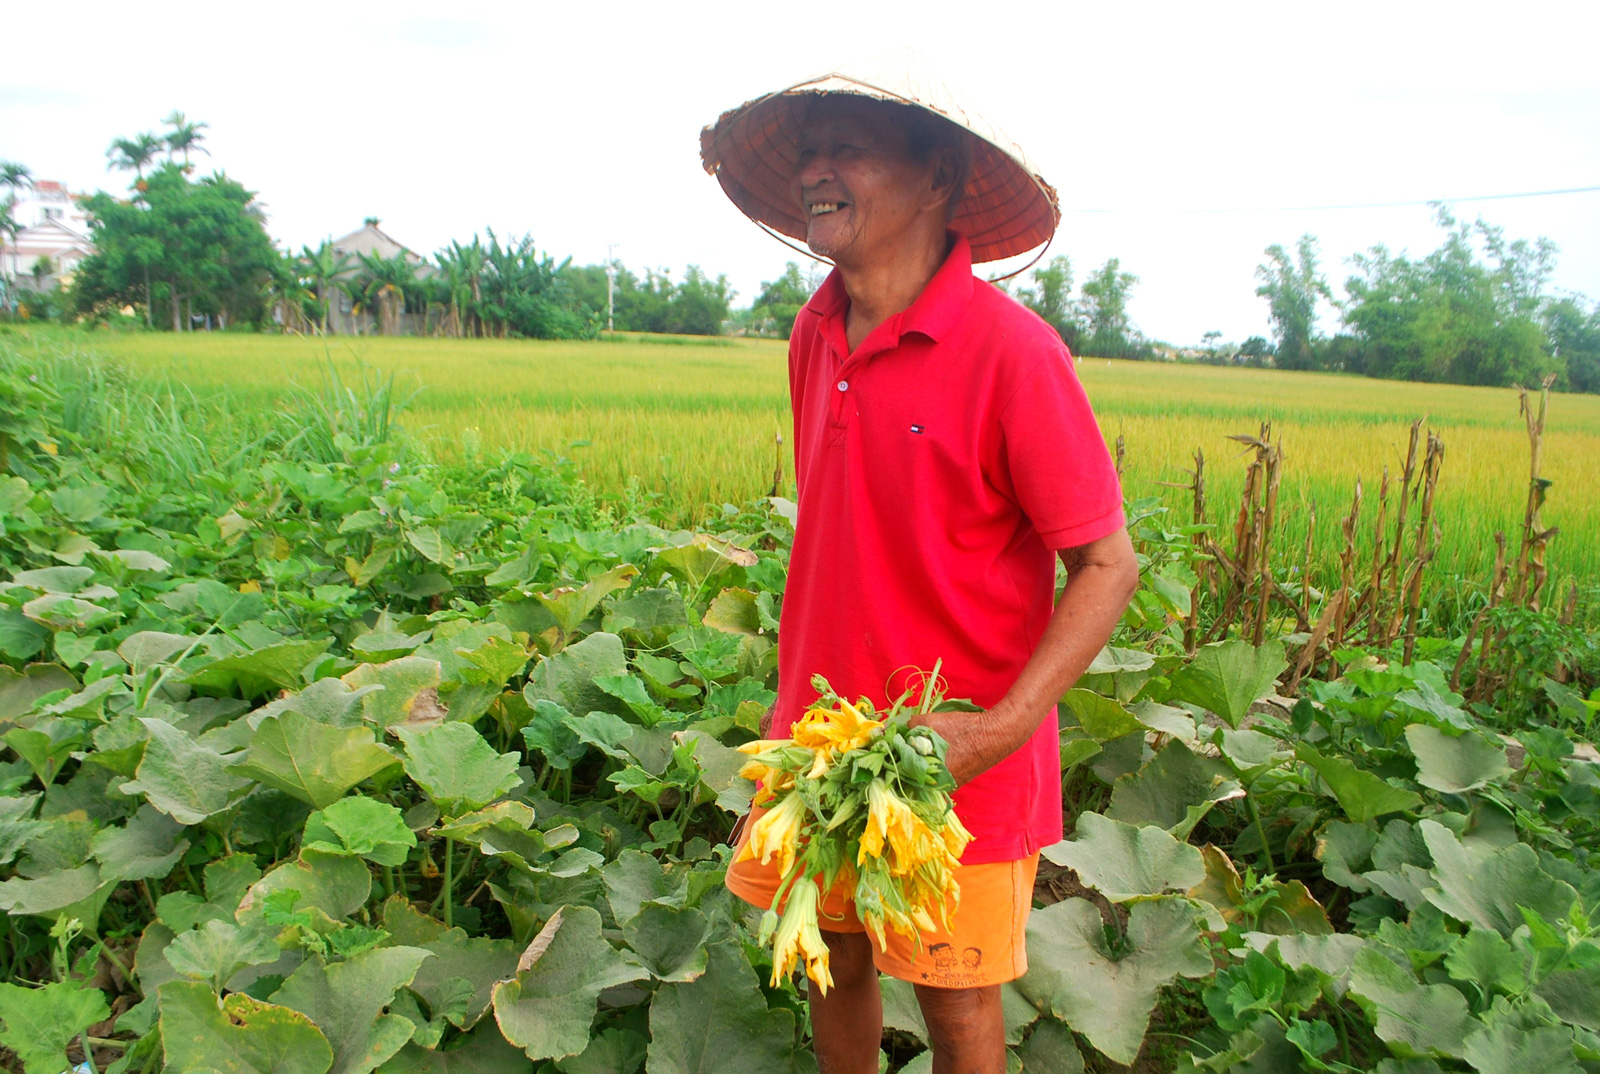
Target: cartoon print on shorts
column 953, row 968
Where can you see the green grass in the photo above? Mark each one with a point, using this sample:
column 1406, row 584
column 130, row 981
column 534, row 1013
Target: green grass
column 697, row 424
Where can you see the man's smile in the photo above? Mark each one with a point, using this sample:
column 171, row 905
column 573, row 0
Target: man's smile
column 818, row 208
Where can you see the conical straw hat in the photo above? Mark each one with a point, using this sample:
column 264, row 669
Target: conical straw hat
column 1006, row 209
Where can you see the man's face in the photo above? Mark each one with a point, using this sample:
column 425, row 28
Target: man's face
column 857, row 182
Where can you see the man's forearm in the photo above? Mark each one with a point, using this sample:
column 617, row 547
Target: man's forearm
column 1098, row 589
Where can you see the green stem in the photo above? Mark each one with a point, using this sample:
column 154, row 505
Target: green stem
column 795, row 871
column 1344, row 1030
column 1261, row 832
column 16, row 949
column 928, row 688
column 449, row 862
column 1179, row 1036
column 466, row 866
column 88, row 1054
column 388, row 881
column 150, row 900
column 1333, row 900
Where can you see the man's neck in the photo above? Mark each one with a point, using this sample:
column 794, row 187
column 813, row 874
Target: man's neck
column 884, row 285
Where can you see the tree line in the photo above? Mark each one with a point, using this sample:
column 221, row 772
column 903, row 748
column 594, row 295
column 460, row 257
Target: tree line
column 189, row 252
column 1095, row 322
column 489, row 288
column 186, row 251
column 1477, row 310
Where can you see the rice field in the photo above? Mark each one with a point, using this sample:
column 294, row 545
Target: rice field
column 696, row 423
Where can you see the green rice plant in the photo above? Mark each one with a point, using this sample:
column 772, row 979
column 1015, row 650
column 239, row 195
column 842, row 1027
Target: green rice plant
column 700, row 425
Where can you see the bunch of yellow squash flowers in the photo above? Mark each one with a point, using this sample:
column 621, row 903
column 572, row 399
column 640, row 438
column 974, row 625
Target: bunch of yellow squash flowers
column 861, row 800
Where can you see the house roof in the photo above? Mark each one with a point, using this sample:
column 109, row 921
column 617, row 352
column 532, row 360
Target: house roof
column 374, row 242
column 53, row 234
column 58, row 254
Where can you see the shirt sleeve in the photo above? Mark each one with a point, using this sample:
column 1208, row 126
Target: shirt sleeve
column 1056, row 459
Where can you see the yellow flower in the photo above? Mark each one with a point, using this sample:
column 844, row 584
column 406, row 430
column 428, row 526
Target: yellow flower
column 762, row 745
column 798, row 937
column 893, row 824
column 956, row 836
column 870, row 903
column 771, row 779
column 934, row 891
column 777, row 832
column 886, row 814
column 835, row 730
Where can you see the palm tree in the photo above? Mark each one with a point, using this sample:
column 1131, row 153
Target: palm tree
column 8, row 230
column 323, row 266
column 134, row 154
column 286, row 290
column 385, row 284
column 464, row 267
column 184, row 136
column 355, row 288
column 13, row 177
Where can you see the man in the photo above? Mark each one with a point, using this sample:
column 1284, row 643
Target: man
column 945, row 456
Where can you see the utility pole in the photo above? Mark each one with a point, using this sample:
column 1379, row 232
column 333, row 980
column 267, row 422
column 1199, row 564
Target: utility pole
column 611, row 286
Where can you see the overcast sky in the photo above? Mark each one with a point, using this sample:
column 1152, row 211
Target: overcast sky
column 581, row 126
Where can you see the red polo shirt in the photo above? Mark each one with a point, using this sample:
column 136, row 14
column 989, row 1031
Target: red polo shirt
column 939, row 467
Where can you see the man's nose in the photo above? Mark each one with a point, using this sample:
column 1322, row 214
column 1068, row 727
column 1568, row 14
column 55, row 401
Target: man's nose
column 818, row 168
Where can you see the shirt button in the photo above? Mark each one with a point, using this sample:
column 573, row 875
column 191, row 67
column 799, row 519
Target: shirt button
column 844, row 385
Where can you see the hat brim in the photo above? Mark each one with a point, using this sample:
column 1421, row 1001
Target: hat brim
column 1005, row 209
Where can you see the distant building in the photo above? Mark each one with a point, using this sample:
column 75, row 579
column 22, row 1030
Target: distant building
column 54, row 236
column 374, row 242
column 371, row 241
column 46, row 255
column 50, row 200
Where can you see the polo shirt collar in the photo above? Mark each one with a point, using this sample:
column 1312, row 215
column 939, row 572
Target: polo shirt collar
column 935, row 311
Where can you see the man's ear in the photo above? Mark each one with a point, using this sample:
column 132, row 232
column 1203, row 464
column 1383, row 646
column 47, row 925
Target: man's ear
column 945, row 175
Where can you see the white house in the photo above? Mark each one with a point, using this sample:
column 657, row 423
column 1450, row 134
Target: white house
column 53, row 236
column 50, row 200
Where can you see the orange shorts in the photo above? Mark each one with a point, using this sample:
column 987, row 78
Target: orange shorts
column 986, row 942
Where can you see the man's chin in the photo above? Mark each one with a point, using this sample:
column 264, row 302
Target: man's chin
column 824, row 245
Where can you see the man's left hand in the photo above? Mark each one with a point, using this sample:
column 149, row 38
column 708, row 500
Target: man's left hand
column 970, row 738
column 1101, row 578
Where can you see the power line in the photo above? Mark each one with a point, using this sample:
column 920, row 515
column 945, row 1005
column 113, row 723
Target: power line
column 1364, row 205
